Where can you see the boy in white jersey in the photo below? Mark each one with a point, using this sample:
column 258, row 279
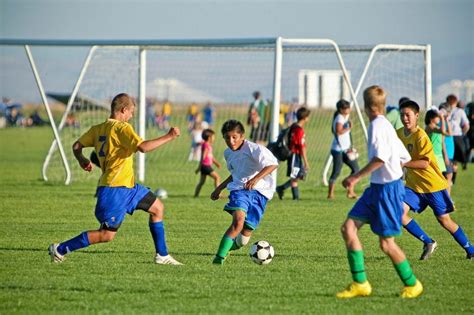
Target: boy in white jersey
column 115, row 142
column 381, row 205
column 250, row 184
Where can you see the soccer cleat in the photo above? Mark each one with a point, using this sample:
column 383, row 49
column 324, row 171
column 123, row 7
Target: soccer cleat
column 280, row 192
column 166, row 260
column 55, row 255
column 428, row 250
column 355, row 289
column 470, row 256
column 413, row 291
column 218, row 260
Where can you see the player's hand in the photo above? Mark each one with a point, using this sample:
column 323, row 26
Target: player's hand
column 215, row 194
column 86, row 165
column 350, row 181
column 250, row 184
column 174, row 132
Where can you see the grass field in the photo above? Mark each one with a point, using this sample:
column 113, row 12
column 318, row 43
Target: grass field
column 120, row 277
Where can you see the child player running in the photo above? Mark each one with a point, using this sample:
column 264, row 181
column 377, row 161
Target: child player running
column 381, row 205
column 425, row 184
column 115, row 142
column 250, row 183
column 207, row 159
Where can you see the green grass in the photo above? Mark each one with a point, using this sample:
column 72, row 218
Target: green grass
column 309, row 267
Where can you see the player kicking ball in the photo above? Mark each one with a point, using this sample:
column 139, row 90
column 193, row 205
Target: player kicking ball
column 116, row 142
column 381, row 205
column 250, row 184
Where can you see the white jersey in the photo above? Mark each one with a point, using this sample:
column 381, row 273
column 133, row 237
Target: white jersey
column 245, row 163
column 384, row 144
column 341, row 142
column 458, row 119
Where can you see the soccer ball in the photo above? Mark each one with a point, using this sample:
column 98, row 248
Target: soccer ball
column 262, row 252
column 161, row 193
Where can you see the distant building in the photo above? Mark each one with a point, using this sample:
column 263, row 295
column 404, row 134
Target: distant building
column 321, row 88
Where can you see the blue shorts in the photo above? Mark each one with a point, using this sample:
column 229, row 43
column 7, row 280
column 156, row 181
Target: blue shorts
column 114, row 202
column 251, row 202
column 439, row 201
column 381, row 206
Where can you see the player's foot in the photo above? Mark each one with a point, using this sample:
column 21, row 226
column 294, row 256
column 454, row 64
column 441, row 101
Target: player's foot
column 352, row 196
column 355, row 289
column 470, row 256
column 330, row 197
column 55, row 255
column 218, row 260
column 235, row 246
column 428, row 250
column 412, row 292
column 166, row 260
column 280, row 192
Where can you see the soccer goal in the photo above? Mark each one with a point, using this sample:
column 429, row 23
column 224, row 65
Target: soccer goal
column 194, row 84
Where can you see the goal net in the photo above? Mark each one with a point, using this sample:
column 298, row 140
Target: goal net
column 199, row 85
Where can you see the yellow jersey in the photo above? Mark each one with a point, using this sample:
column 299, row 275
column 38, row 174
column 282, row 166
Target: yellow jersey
column 419, row 146
column 115, row 143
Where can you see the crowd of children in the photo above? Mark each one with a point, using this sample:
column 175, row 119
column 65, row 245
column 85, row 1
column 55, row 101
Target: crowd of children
column 427, row 155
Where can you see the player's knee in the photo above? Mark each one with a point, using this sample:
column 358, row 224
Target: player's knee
column 107, row 236
column 238, row 222
column 385, row 245
column 157, row 208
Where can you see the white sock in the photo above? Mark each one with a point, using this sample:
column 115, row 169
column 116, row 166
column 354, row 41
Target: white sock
column 242, row 240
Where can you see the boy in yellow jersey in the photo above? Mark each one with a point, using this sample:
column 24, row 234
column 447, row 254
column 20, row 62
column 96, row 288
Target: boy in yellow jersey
column 425, row 184
column 116, row 142
column 381, row 205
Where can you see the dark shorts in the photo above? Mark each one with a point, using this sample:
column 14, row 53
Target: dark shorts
column 113, row 203
column 206, row 170
column 439, row 201
column 459, row 149
column 381, row 206
column 251, row 202
column 295, row 169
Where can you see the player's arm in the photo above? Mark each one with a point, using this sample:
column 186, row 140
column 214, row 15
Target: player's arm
column 373, row 165
column 216, row 193
column 424, row 147
column 150, row 145
column 418, row 164
column 84, row 162
column 264, row 172
column 305, row 157
column 341, row 130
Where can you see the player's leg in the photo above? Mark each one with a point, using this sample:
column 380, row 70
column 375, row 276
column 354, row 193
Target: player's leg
column 412, row 287
column 354, row 166
column 415, row 202
column 336, row 170
column 227, row 241
column 202, row 180
column 355, row 255
column 280, row 190
column 458, row 234
column 156, row 209
column 216, row 178
column 58, row 251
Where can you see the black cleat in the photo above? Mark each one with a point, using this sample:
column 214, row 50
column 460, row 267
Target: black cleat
column 428, row 250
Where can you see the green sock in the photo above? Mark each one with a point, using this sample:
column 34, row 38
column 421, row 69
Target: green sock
column 405, row 273
column 224, row 246
column 356, row 262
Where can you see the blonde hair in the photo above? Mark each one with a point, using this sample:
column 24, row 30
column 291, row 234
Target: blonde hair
column 374, row 98
column 120, row 101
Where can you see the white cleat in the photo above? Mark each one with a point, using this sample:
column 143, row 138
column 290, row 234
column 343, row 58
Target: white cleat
column 166, row 260
column 55, row 255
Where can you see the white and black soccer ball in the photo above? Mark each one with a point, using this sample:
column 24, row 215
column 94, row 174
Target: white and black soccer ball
column 262, row 252
column 161, row 193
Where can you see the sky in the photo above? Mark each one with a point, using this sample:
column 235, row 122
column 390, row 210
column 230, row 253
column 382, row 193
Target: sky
column 448, row 25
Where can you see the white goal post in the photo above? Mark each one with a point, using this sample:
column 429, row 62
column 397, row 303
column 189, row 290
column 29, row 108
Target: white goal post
column 276, row 62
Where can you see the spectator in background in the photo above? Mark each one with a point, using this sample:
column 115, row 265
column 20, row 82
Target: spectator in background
column 460, row 127
column 254, row 118
column 448, row 145
column 393, row 114
column 36, row 119
column 192, row 115
column 166, row 115
column 470, row 134
column 209, row 114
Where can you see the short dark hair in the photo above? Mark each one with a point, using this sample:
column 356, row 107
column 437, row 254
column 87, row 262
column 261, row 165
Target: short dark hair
column 342, row 104
column 403, row 99
column 302, row 113
column 207, row 133
column 410, row 104
column 231, row 125
column 451, row 98
column 430, row 115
